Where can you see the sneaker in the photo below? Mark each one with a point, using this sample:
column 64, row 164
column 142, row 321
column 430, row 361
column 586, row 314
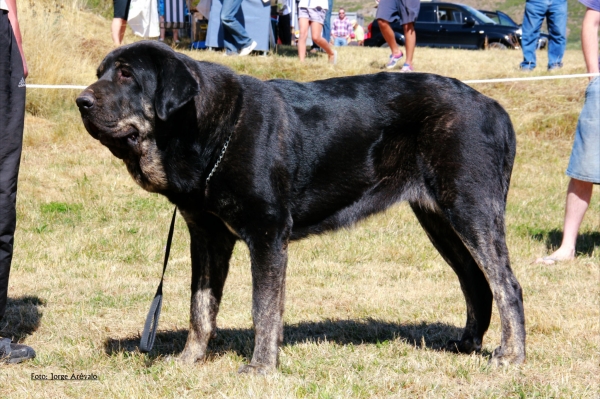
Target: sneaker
column 248, row 49
column 14, row 353
column 407, row 68
column 394, row 60
column 555, row 67
column 526, row 67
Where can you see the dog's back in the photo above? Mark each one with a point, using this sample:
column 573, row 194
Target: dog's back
column 353, row 146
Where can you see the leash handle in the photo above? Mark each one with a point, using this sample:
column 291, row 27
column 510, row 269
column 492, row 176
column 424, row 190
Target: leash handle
column 151, row 324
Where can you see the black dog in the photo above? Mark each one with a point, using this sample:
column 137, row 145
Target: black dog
column 270, row 162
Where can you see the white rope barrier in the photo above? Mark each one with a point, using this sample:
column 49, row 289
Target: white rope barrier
column 501, row 80
column 33, row 86
column 530, row 78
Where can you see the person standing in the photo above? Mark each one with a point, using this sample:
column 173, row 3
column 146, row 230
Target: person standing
column 238, row 41
column 312, row 13
column 341, row 30
column 172, row 16
column 584, row 165
column 13, row 71
column 119, row 22
column 555, row 13
column 405, row 11
column 358, row 37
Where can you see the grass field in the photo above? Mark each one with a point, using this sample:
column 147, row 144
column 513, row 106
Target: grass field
column 367, row 309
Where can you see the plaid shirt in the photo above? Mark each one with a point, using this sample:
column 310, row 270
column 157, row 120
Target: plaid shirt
column 341, row 27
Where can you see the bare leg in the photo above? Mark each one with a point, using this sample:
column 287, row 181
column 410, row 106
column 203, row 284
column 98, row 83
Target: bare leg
column 579, row 194
column 175, row 36
column 410, row 41
column 302, row 39
column 317, row 29
column 388, row 35
column 118, row 30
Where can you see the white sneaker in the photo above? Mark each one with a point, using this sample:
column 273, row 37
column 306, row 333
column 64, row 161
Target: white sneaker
column 248, row 49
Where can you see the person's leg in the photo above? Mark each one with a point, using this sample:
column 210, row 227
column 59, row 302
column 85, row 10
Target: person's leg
column 12, row 117
column 239, row 36
column 584, row 168
column 118, row 30
column 410, row 41
column 388, row 35
column 535, row 10
column 316, row 30
column 327, row 22
column 12, row 113
column 176, row 36
column 303, row 24
column 284, row 30
column 162, row 29
column 579, row 194
column 557, row 32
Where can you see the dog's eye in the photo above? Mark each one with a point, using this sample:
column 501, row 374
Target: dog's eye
column 125, row 73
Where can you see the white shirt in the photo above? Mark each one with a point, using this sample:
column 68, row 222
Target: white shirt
column 3, row 5
column 324, row 4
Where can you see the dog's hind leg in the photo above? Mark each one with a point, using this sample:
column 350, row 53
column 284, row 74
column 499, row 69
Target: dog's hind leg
column 211, row 248
column 479, row 222
column 475, row 287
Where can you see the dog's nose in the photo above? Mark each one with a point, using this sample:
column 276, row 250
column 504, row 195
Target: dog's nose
column 85, row 100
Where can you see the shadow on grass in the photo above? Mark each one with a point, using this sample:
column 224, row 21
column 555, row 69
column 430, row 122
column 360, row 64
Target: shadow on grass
column 22, row 317
column 342, row 332
column 586, row 242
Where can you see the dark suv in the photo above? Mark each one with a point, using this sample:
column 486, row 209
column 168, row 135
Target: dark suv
column 504, row 19
column 461, row 26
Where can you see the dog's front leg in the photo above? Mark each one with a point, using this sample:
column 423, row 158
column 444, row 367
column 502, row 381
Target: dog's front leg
column 211, row 248
column 269, row 262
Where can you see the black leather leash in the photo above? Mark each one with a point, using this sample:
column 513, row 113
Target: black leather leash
column 151, row 325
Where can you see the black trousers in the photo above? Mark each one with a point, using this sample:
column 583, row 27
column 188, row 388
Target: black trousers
column 12, row 115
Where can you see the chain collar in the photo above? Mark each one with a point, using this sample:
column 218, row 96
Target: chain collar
column 220, row 157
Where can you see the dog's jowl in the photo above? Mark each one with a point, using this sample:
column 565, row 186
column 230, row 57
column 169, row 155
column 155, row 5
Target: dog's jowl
column 276, row 161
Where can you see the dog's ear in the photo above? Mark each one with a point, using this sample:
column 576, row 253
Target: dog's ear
column 176, row 86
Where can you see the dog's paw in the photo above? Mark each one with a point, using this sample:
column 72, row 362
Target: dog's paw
column 256, row 369
column 500, row 358
column 189, row 358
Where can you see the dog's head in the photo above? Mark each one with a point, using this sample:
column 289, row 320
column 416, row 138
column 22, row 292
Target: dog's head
column 138, row 86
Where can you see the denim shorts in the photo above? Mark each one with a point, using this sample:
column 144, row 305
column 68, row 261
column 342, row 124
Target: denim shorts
column 585, row 157
column 313, row 14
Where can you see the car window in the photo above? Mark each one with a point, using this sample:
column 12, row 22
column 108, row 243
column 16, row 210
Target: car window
column 504, row 20
column 479, row 16
column 449, row 15
column 493, row 17
column 427, row 13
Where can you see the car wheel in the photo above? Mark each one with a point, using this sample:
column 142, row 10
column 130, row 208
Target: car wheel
column 497, row 46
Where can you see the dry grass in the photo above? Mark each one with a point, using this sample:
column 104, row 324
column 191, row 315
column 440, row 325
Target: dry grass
column 367, row 309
